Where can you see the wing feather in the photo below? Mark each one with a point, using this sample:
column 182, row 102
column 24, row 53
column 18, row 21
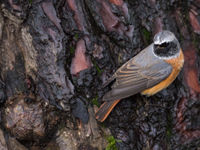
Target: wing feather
column 132, row 78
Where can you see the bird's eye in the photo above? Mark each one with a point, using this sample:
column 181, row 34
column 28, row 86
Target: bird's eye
column 165, row 49
column 161, row 46
column 165, row 45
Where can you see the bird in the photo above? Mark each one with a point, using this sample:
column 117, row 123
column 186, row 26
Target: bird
column 149, row 72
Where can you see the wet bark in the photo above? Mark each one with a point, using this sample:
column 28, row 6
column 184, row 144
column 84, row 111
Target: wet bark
column 56, row 55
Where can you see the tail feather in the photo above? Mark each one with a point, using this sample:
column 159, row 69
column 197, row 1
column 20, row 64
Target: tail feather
column 105, row 109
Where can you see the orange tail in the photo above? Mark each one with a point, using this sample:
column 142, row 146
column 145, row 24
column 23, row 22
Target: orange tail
column 105, row 110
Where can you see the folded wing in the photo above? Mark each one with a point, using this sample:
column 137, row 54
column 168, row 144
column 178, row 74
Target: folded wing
column 133, row 78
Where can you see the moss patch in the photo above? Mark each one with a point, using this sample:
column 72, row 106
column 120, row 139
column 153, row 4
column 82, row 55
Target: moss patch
column 95, row 101
column 111, row 143
column 146, row 35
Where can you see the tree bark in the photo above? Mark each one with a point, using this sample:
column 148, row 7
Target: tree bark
column 56, row 55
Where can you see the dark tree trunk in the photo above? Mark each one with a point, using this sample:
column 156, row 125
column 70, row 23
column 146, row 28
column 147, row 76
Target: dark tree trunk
column 56, row 55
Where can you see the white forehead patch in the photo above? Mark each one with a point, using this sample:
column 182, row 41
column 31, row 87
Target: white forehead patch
column 163, row 37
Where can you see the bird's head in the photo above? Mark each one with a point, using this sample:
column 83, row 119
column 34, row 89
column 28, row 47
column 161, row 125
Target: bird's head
column 166, row 45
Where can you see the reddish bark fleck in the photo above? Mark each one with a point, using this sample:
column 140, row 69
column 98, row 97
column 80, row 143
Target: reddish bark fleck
column 50, row 11
column 52, row 33
column 117, row 2
column 181, row 126
column 112, row 22
column 129, row 32
column 191, row 78
column 158, row 25
column 122, row 6
column 80, row 61
column 197, row 2
column 125, row 10
column 190, row 69
column 28, row 82
column 77, row 17
column 194, row 22
column 153, row 2
column 15, row 7
column 72, row 4
column 109, row 19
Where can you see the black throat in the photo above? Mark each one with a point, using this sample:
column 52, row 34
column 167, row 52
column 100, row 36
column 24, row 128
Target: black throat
column 166, row 49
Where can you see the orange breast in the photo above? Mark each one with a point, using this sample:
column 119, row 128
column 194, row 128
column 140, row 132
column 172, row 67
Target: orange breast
column 177, row 64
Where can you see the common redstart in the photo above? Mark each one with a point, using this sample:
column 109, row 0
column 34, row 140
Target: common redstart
column 149, row 72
